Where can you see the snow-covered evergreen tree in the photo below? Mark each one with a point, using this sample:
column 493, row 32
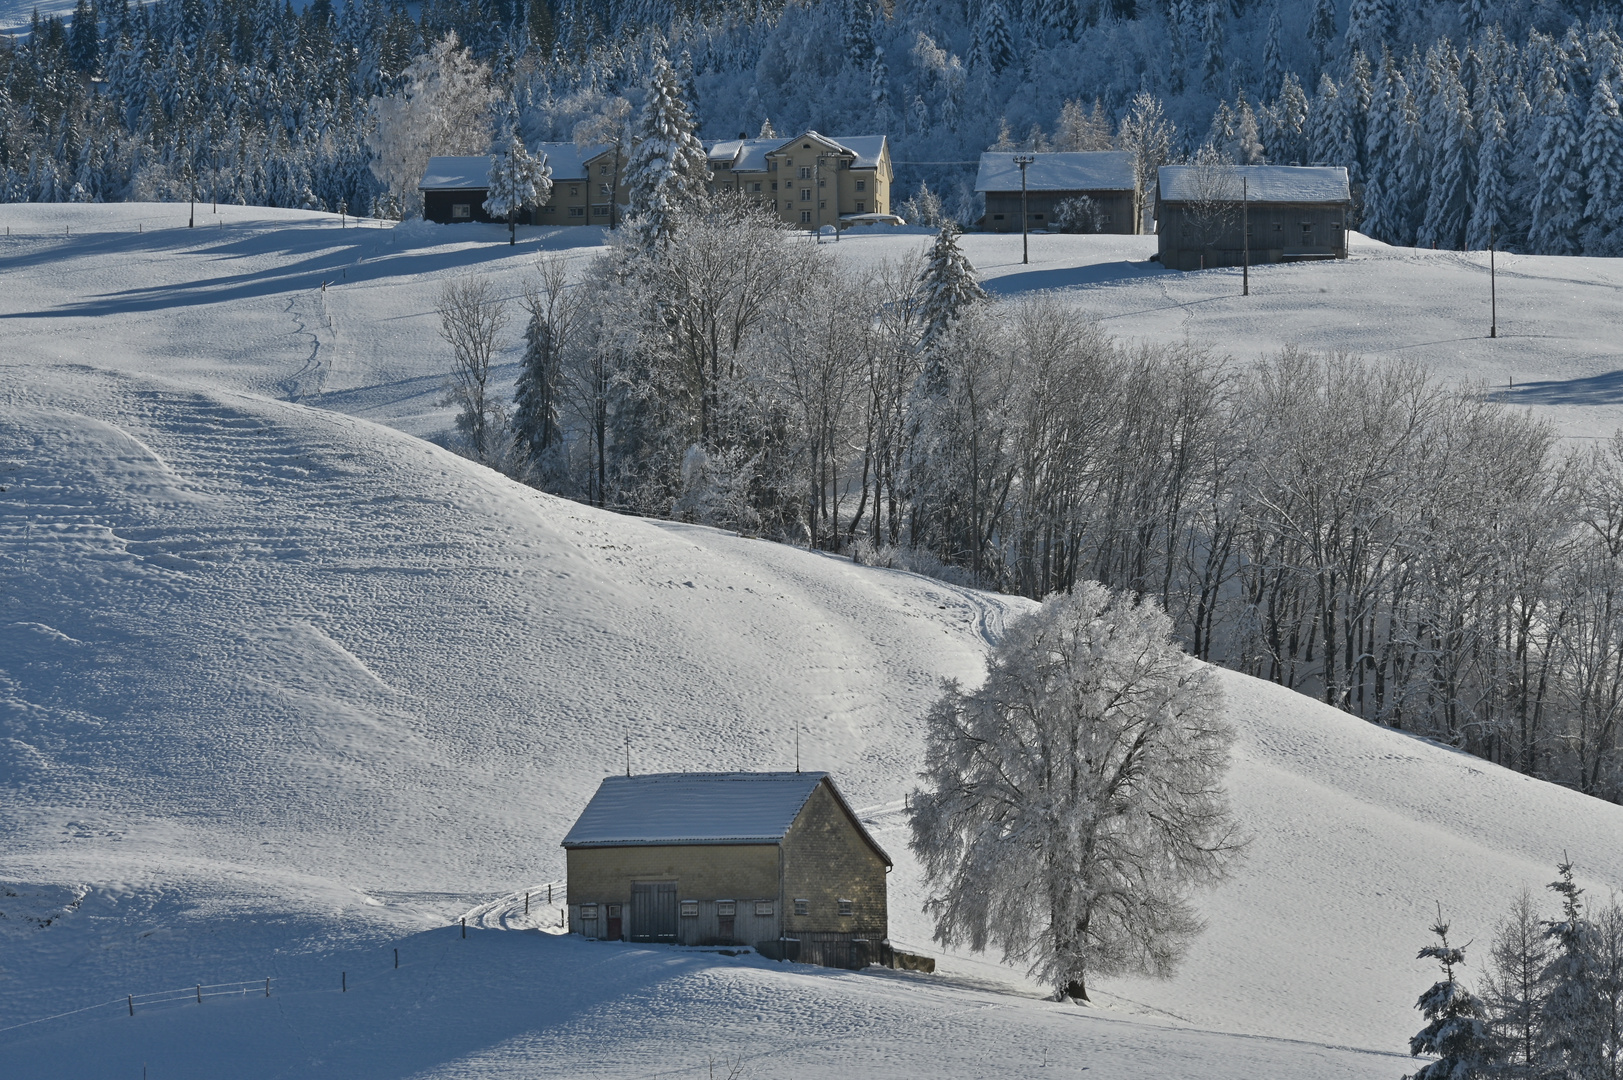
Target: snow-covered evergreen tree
column 1559, row 198
column 1211, row 40
column 667, row 172
column 1602, row 157
column 1451, row 133
column 949, row 285
column 517, row 181
column 1321, row 27
column 1074, row 799
column 1490, row 209
column 1456, row 1031
column 1368, row 22
column 994, row 39
column 1273, row 63
column 1573, row 1023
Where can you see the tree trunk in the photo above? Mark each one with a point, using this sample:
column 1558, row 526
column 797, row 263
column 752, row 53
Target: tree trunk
column 1076, row 991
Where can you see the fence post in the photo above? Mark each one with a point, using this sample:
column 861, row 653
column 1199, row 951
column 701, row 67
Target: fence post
column 200, row 993
column 267, row 988
column 397, row 959
column 132, row 1004
column 464, row 927
column 343, row 981
column 526, row 903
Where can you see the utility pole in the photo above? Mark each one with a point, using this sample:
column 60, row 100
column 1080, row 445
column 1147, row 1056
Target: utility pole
column 1023, row 160
column 191, row 177
column 1245, row 223
column 1493, row 291
column 628, row 753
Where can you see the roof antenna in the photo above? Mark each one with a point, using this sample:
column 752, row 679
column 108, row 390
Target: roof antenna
column 628, row 754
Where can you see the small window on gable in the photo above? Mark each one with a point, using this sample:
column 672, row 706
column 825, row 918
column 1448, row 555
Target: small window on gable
column 805, row 146
column 847, row 907
column 763, row 907
column 802, row 907
column 726, row 908
column 603, row 170
column 690, row 909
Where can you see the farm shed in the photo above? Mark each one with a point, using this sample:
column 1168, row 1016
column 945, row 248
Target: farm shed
column 777, row 861
column 454, row 188
column 1105, row 176
column 1295, row 213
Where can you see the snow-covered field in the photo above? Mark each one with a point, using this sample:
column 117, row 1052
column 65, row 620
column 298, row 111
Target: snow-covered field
column 284, row 688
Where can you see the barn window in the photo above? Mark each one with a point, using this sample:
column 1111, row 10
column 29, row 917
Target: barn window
column 847, row 907
column 997, row 217
column 690, row 909
column 588, row 912
column 726, row 908
column 1039, row 217
column 614, row 911
column 802, row 907
column 763, row 907
column 577, row 211
column 461, row 211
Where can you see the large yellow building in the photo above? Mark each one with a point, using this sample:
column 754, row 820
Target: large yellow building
column 810, row 180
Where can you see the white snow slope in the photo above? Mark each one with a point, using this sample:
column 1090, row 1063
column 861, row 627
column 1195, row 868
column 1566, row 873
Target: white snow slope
column 282, row 689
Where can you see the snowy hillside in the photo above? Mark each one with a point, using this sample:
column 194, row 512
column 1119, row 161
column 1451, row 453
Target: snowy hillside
column 282, row 689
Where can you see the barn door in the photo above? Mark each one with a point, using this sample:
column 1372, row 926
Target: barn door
column 653, row 912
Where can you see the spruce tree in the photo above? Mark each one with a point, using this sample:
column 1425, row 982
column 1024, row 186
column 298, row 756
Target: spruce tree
column 948, row 284
column 667, row 172
column 517, row 180
column 1211, row 39
column 1273, row 64
column 994, row 41
column 1456, row 1031
column 1602, row 156
column 1490, row 198
column 1367, row 24
column 1321, row 27
column 1558, row 197
column 1572, row 1022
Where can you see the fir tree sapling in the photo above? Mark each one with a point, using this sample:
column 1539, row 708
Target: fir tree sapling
column 1072, row 802
column 1456, row 1032
column 1572, row 1021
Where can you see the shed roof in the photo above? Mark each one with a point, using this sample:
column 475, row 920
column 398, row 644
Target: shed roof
column 456, row 173
column 1267, row 183
column 1095, row 170
column 699, row 808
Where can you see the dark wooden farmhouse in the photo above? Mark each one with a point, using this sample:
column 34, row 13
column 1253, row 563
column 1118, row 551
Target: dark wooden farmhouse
column 776, row 861
column 1105, row 176
column 454, row 189
column 1295, row 213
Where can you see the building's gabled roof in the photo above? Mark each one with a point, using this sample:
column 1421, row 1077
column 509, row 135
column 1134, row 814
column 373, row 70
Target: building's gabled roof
column 568, row 161
column 700, row 808
column 744, row 155
column 1266, row 183
column 1097, row 170
column 456, row 173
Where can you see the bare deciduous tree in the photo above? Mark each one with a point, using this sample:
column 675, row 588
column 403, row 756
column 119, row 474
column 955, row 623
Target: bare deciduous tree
column 471, row 317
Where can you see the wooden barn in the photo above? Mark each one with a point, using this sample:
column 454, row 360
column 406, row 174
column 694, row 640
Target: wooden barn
column 1295, row 213
column 775, row 861
column 454, row 189
column 1105, row 176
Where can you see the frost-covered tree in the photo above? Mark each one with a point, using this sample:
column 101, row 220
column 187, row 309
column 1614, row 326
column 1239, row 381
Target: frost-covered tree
column 1490, row 200
column 1558, row 199
column 1456, row 1031
column 554, row 311
column 1211, row 40
column 1368, row 22
column 994, row 40
column 1081, row 130
column 1273, row 62
column 1321, row 27
column 1513, row 989
column 518, row 181
column 1073, row 801
column 444, row 107
column 1602, row 155
column 949, row 285
column 1148, row 135
column 667, row 172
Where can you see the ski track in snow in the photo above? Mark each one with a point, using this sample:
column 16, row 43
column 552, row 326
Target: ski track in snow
column 283, row 689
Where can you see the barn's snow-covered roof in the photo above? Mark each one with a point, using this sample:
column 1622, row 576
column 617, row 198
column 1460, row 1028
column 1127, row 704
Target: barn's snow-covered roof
column 456, row 173
column 698, row 808
column 1096, row 170
column 1266, row 183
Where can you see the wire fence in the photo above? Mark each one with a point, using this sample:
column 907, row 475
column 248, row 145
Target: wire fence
column 196, row 992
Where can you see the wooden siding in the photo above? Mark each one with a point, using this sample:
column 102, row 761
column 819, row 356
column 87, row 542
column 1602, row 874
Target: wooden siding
column 437, row 205
column 1279, row 232
column 1003, row 209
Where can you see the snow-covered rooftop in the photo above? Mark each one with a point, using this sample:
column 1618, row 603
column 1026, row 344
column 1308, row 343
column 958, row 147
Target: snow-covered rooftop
column 456, row 173
column 693, row 808
column 744, row 155
column 1098, row 170
column 568, row 161
column 1267, row 183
